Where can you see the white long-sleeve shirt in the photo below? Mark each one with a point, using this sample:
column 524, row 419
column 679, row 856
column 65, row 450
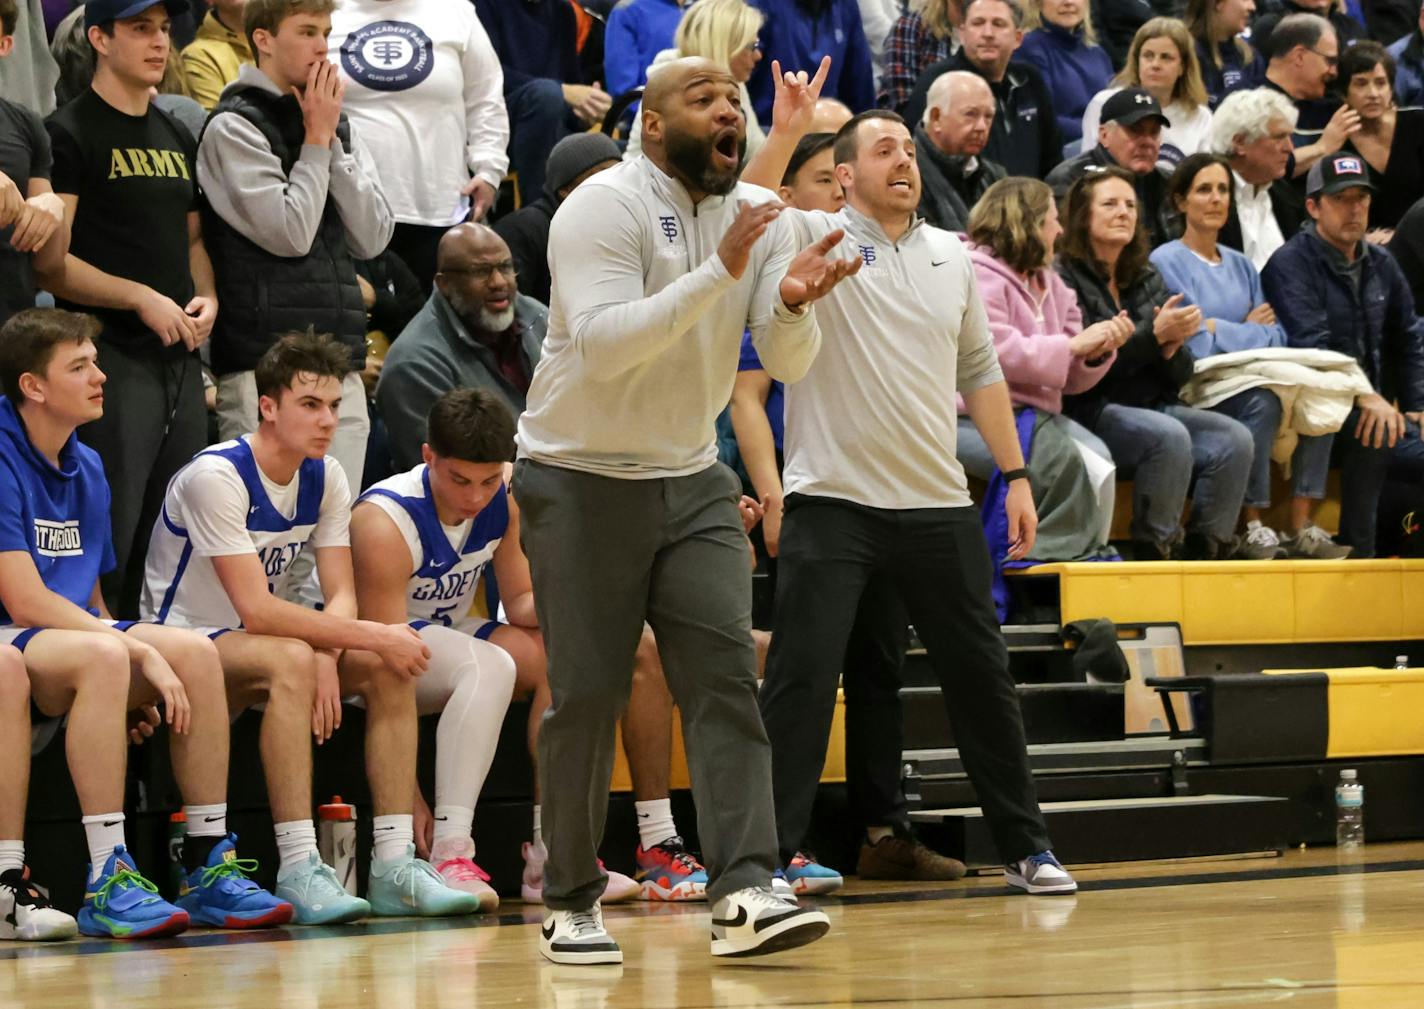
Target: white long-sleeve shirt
column 874, row 419
column 645, row 325
column 425, row 87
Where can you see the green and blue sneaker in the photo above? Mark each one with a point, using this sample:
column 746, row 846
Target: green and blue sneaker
column 121, row 904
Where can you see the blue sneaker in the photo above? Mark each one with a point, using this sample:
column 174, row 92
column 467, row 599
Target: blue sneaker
column 121, row 904
column 220, row 895
column 806, row 875
column 316, row 895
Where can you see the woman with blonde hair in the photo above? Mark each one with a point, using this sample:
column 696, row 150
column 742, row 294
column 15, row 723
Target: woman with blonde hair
column 925, row 34
column 1163, row 60
column 725, row 32
column 1063, row 48
column 1228, row 62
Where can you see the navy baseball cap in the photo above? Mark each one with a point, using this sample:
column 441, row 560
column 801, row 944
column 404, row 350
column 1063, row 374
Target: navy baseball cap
column 1338, row 172
column 1132, row 105
column 100, row 12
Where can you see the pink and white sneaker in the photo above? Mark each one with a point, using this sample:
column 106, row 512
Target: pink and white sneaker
column 456, row 865
column 617, row 890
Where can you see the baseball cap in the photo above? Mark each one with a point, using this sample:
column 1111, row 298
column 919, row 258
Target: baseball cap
column 1336, row 172
column 100, row 12
column 1131, row 105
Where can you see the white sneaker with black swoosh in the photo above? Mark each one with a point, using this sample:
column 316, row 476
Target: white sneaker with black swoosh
column 754, row 921
column 578, row 937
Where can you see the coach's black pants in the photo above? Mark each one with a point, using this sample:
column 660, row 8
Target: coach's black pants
column 938, row 561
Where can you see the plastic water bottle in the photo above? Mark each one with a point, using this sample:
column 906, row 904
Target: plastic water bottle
column 1401, row 662
column 177, row 875
column 336, row 840
column 1349, row 812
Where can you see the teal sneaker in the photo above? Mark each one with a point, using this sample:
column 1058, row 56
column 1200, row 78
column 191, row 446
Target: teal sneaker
column 411, row 886
column 808, row 876
column 316, row 895
column 219, row 894
column 121, row 904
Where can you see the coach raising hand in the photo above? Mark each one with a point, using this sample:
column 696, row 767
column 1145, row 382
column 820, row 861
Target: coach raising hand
column 658, row 266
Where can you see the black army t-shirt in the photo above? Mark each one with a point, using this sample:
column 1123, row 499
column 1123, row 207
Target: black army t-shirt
column 136, row 183
column 24, row 155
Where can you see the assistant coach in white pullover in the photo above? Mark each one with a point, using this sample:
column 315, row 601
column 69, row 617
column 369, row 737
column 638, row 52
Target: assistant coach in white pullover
column 873, row 488
column 658, row 266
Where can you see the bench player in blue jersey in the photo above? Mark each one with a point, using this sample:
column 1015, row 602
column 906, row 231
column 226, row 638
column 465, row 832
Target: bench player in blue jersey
column 54, row 545
column 232, row 521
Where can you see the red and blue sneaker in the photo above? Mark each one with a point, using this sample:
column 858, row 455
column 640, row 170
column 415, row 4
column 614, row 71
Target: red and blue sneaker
column 806, row 875
column 220, row 895
column 667, row 871
column 121, row 904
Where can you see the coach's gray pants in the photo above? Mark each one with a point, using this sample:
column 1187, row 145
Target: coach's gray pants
column 607, row 554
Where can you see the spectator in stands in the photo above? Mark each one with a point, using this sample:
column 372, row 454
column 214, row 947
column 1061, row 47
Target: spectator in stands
column 1390, row 139
column 537, row 42
column 830, row 115
column 948, row 144
column 1062, row 45
column 725, row 32
column 476, row 330
column 1228, row 62
column 27, row 76
column 32, row 220
column 54, row 543
column 218, row 50
column 292, row 201
column 526, row 231
column 1117, row 23
column 1129, row 137
column 1043, row 347
column 877, row 17
column 1252, row 130
column 126, row 174
column 426, row 93
column 1347, row 29
column 1332, row 289
column 925, row 34
column 1025, row 138
column 1408, row 53
column 1235, row 317
column 1135, row 409
column 797, row 33
column 1407, row 247
column 1302, row 60
column 1163, row 62
column 1389, row 20
column 637, row 31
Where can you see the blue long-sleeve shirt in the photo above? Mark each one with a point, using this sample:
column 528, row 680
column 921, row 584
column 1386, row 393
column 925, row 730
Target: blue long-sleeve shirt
column 1226, row 291
column 1073, row 70
column 799, row 39
column 637, row 31
column 534, row 39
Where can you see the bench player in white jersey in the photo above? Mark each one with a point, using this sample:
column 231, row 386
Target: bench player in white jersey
column 420, row 541
column 54, row 544
column 232, row 521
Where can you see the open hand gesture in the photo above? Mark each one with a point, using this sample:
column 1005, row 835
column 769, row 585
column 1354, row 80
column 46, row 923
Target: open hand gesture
column 811, row 274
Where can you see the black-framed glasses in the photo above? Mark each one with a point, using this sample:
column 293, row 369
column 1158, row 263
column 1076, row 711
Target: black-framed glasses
column 483, row 271
column 1330, row 61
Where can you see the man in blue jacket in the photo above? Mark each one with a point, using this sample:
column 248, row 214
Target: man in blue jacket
column 1408, row 53
column 797, row 33
column 1335, row 291
column 637, row 31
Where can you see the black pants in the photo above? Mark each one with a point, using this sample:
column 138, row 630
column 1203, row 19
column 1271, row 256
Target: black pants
column 417, row 245
column 938, row 561
column 155, row 420
column 1363, row 472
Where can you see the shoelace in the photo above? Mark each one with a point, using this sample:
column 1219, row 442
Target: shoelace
column 410, row 874
column 586, row 924
column 1263, row 536
column 1313, row 534
column 463, row 870
column 122, row 879
column 237, row 869
column 1044, row 858
column 767, row 898
column 682, row 858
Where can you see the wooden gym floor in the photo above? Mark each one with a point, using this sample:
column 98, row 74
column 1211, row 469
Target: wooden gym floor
column 1304, row 931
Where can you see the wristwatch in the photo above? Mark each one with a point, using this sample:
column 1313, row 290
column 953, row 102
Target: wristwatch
column 1016, row 474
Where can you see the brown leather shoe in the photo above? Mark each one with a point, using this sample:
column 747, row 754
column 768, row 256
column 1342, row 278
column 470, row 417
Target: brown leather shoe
column 895, row 857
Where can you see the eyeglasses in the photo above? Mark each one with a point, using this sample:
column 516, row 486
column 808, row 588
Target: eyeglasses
column 483, row 271
column 754, row 46
column 1330, row 61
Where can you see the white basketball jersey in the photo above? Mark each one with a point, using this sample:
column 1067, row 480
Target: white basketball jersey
column 180, row 585
column 448, row 559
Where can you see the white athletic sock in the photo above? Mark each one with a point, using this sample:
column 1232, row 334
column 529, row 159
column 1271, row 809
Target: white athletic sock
column 538, row 834
column 206, row 821
column 295, row 840
column 453, row 833
column 655, row 823
column 105, row 832
column 12, row 855
column 394, row 833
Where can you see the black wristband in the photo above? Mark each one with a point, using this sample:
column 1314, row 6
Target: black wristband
column 1016, row 474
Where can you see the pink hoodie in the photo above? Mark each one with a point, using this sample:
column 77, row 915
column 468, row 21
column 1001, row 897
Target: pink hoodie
column 1031, row 336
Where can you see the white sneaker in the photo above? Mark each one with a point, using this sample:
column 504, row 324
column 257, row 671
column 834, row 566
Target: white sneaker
column 1314, row 543
column 781, row 886
column 754, row 921
column 26, row 914
column 578, row 937
column 1041, row 873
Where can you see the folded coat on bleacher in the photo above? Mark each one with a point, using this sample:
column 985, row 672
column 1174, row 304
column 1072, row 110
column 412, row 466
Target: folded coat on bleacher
column 1317, row 388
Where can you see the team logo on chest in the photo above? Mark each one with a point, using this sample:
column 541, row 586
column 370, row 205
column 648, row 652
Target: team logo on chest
column 388, row 55
column 867, row 254
column 671, row 244
column 58, row 539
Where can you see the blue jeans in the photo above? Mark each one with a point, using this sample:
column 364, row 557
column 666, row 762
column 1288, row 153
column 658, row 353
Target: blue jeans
column 1363, row 471
column 1260, row 411
column 538, row 119
column 1164, row 449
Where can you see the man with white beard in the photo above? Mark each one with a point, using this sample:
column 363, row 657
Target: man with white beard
column 476, row 330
